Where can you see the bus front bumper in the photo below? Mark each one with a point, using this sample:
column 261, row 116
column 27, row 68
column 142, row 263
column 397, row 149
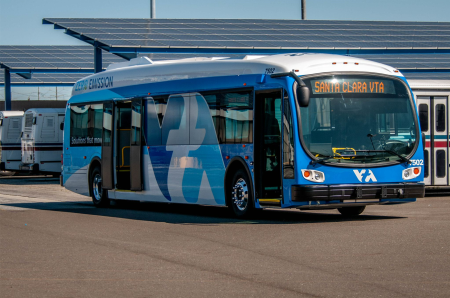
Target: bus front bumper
column 355, row 192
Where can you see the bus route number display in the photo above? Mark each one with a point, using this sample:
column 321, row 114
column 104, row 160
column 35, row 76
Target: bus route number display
column 374, row 86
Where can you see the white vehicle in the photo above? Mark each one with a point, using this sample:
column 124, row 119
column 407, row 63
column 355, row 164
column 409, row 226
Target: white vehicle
column 432, row 97
column 42, row 140
column 10, row 130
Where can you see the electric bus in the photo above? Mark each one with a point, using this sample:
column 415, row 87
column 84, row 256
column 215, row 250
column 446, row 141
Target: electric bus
column 10, row 131
column 305, row 131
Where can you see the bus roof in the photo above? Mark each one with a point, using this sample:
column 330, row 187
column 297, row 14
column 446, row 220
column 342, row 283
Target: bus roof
column 430, row 84
column 45, row 110
column 10, row 114
column 142, row 70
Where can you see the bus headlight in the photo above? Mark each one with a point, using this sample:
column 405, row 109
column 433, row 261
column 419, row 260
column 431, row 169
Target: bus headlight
column 313, row 175
column 411, row 173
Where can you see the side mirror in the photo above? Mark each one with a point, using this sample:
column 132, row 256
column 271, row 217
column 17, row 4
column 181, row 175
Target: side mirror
column 1, row 122
column 424, row 140
column 61, row 126
column 34, row 120
column 303, row 96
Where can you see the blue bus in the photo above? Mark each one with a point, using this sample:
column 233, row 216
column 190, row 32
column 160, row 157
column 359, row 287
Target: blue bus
column 305, row 131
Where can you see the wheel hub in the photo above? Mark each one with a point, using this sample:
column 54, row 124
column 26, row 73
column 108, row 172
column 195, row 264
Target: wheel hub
column 97, row 187
column 240, row 194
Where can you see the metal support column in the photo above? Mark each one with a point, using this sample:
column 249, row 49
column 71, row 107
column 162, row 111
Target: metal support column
column 7, row 90
column 98, row 67
column 303, row 9
column 152, row 9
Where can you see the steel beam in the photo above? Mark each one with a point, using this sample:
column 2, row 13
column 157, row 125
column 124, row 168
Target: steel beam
column 97, row 59
column 7, row 90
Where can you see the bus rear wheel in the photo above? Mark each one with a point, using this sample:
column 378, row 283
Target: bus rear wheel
column 351, row 211
column 98, row 194
column 240, row 195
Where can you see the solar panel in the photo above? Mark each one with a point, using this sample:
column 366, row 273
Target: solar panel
column 51, row 57
column 427, row 75
column 43, row 79
column 393, row 34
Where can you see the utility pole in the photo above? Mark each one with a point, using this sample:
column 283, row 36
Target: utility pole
column 303, row 9
column 152, row 9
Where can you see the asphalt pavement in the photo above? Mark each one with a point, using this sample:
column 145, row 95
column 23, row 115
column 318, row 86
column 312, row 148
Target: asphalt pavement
column 54, row 243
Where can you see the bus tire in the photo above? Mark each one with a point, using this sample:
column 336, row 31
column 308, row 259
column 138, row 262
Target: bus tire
column 241, row 197
column 98, row 194
column 351, row 211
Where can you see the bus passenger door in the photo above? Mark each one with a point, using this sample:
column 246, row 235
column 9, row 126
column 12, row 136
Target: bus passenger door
column 440, row 131
column 136, row 146
column 268, row 164
column 107, row 170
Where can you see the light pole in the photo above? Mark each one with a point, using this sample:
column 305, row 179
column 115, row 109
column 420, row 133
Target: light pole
column 152, row 9
column 303, row 9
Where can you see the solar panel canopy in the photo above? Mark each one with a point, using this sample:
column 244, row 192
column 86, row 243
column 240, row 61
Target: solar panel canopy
column 246, row 35
column 52, row 79
column 52, row 58
column 427, row 66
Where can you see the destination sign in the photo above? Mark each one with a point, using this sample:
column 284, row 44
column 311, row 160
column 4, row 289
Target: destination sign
column 328, row 86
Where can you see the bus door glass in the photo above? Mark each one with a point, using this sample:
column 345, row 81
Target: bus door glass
column 268, row 104
column 122, row 141
column 107, row 171
column 423, row 105
column 287, row 147
column 136, row 146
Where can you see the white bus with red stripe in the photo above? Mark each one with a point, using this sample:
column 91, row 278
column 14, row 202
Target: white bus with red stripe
column 433, row 105
column 42, row 141
column 10, row 130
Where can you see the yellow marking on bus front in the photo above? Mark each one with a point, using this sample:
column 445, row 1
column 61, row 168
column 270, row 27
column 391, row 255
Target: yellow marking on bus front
column 339, row 155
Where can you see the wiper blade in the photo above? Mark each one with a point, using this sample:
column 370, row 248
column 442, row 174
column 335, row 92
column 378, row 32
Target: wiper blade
column 325, row 158
column 404, row 159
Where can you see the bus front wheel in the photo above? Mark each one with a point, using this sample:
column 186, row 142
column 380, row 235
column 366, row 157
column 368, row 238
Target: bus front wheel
column 239, row 191
column 99, row 196
column 351, row 211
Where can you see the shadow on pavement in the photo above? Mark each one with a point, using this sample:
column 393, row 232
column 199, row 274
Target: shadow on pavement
column 28, row 180
column 194, row 214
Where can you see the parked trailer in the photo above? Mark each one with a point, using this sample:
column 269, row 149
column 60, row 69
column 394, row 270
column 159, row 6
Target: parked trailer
column 10, row 130
column 42, row 141
column 433, row 102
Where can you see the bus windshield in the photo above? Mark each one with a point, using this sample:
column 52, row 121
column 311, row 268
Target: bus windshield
column 358, row 119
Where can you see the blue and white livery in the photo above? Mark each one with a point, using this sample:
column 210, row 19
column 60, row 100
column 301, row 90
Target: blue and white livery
column 307, row 131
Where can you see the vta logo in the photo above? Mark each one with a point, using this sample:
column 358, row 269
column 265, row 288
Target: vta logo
column 369, row 176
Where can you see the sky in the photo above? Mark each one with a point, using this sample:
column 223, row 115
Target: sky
column 21, row 20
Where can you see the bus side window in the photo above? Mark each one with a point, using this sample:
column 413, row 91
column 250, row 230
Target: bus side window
column 440, row 117
column 423, row 117
column 288, row 140
column 232, row 113
column 154, row 111
column 86, row 125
